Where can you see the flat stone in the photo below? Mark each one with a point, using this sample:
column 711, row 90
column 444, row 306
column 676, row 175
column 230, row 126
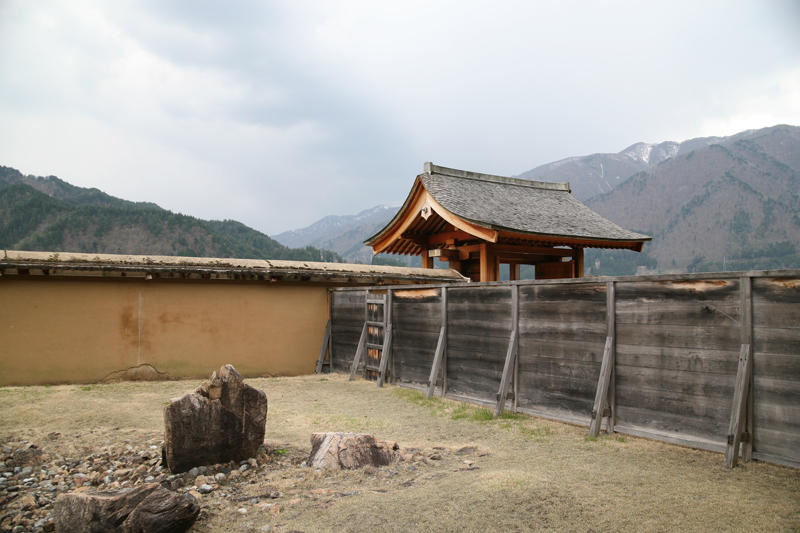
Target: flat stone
column 350, row 450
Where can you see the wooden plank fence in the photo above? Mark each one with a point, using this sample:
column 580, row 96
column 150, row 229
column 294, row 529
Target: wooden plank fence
column 710, row 361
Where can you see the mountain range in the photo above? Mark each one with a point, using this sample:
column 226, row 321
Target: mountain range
column 47, row 213
column 710, row 203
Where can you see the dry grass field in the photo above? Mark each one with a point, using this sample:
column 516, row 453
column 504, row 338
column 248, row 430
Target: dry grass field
column 462, row 470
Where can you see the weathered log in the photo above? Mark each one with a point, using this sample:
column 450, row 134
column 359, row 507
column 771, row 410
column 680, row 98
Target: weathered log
column 337, row 451
column 223, row 420
column 147, row 508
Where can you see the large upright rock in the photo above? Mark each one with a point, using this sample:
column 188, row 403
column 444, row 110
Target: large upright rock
column 223, row 420
column 145, row 509
column 337, row 451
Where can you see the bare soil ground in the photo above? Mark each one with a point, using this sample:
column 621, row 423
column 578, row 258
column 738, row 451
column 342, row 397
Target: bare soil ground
column 462, row 470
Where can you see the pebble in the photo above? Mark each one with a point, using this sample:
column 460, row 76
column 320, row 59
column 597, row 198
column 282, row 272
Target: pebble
column 220, row 477
column 241, row 510
column 205, row 489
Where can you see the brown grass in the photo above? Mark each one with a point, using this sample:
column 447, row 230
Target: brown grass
column 526, row 473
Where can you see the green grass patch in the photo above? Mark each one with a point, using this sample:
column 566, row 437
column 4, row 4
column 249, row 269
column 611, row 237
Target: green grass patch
column 620, row 438
column 417, row 398
column 476, row 414
column 86, row 388
column 510, row 415
column 281, row 451
column 590, row 438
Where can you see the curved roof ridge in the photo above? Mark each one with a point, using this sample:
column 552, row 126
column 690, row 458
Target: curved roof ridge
column 430, row 168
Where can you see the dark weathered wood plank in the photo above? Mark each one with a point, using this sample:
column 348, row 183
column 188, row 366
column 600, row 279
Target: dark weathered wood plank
column 778, row 417
column 563, row 292
column 688, row 426
column 580, row 387
column 776, row 289
column 768, row 314
column 532, row 350
column 703, row 337
column 776, row 340
column 682, row 360
column 656, row 381
column 777, row 443
column 677, row 290
column 679, row 313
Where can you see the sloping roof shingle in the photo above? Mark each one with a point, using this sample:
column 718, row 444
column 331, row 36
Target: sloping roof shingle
column 519, row 205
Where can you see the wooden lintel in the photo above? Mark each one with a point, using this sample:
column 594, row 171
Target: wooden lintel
column 443, row 253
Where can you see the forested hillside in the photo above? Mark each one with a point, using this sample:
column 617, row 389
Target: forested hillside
column 50, row 214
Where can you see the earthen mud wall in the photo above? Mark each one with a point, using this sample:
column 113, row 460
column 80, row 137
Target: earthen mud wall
column 87, row 330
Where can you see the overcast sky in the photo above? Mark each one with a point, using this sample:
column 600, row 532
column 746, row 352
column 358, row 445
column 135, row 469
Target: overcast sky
column 277, row 114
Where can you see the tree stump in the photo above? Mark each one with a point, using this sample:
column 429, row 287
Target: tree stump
column 147, row 508
column 223, row 420
column 350, row 450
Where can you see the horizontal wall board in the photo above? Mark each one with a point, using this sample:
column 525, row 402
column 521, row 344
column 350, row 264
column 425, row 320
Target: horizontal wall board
column 777, row 340
column 703, row 427
column 554, row 367
column 782, row 290
column 774, row 365
column 561, row 403
column 560, row 292
column 776, row 315
column 477, row 342
column 778, row 443
column 532, row 348
column 573, row 386
column 679, row 313
column 705, row 337
column 658, row 380
column 593, row 332
column 679, row 359
column 691, row 441
column 777, row 417
column 781, row 391
column 479, row 295
column 416, row 322
column 566, row 311
column 403, row 337
column 711, row 408
column 686, row 290
column 426, row 296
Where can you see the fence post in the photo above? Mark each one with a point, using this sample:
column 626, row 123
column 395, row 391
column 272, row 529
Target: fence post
column 511, row 354
column 747, row 338
column 441, row 348
column 386, row 351
column 326, row 339
column 606, row 384
column 740, row 428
